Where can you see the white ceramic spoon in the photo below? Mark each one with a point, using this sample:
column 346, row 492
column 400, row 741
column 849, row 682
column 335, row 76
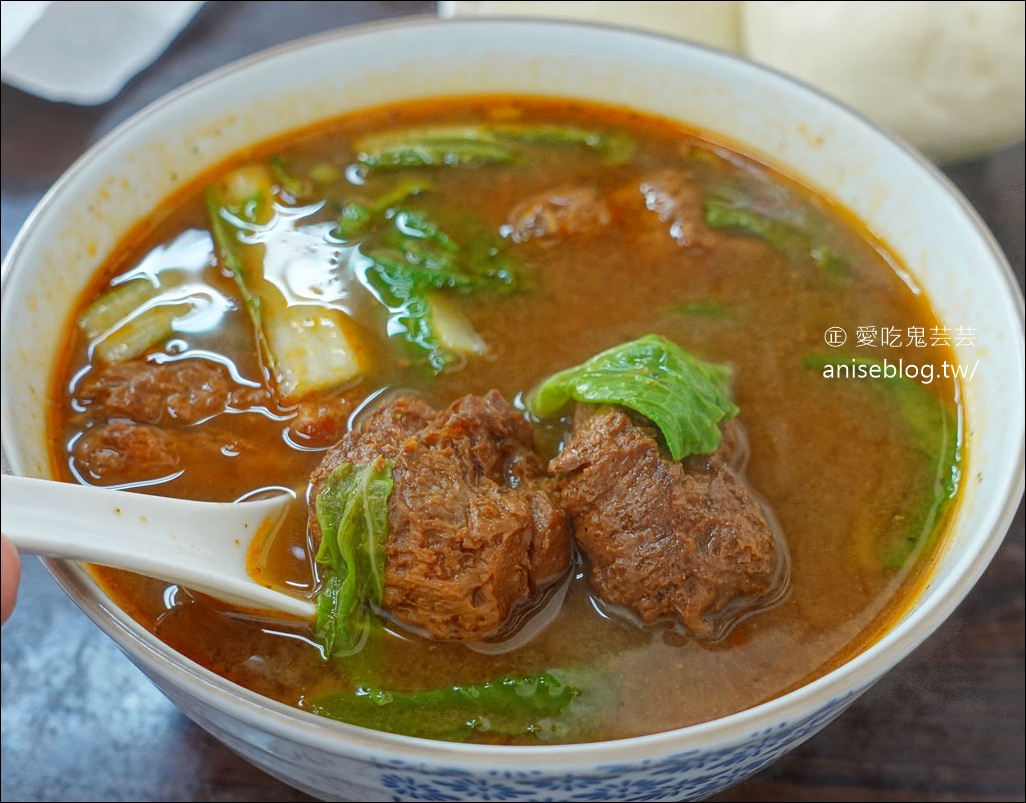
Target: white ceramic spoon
column 201, row 545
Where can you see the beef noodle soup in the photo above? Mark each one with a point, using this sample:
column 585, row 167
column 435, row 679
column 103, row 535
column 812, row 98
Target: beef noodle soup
column 598, row 427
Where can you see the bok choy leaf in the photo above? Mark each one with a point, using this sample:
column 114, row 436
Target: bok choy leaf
column 358, row 218
column 614, row 147
column 414, row 267
column 787, row 226
column 124, row 322
column 510, row 706
column 457, row 145
column 352, row 511
column 132, row 318
column 306, row 346
column 685, row 397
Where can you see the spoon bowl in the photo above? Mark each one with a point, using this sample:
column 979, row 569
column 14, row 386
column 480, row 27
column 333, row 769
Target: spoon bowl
column 201, row 545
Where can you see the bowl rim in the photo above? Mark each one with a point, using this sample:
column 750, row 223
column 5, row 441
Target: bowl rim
column 841, row 684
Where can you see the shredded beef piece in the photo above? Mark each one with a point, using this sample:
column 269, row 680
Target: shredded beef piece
column 123, row 451
column 678, row 201
column 667, row 540
column 183, row 391
column 559, row 212
column 473, row 529
column 321, row 422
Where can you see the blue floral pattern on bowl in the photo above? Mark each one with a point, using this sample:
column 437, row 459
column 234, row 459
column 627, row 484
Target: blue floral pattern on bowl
column 689, row 775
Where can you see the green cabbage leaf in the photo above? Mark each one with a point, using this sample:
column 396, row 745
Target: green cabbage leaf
column 685, row 397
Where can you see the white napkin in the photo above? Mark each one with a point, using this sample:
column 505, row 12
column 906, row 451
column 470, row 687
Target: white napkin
column 84, row 52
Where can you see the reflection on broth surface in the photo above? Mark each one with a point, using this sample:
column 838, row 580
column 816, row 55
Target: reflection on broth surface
column 458, row 247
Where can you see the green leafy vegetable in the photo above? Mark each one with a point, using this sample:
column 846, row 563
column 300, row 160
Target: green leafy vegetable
column 828, row 259
column 358, row 218
column 435, row 260
column 293, row 185
column 325, row 173
column 305, row 347
column 352, row 511
column 395, row 284
column 409, row 262
column 788, row 228
column 454, row 332
column 115, row 305
column 226, row 246
column 139, row 333
column 411, row 226
column 442, row 146
column 705, row 309
column 506, row 707
column 934, row 429
column 685, row 397
column 725, row 213
column 421, row 269
column 484, row 258
column 614, row 147
column 354, row 219
column 131, row 318
column 450, row 146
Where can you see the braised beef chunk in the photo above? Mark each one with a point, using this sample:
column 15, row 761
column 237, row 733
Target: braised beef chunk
column 320, row 422
column 667, row 540
column 184, row 391
column 559, row 212
column 473, row 528
column 190, row 391
column 122, row 451
column 678, row 201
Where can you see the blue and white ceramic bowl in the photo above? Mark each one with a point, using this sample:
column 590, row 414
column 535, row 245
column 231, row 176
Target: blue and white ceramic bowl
column 898, row 194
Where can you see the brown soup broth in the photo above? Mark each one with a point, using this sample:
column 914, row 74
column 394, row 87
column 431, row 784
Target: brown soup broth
column 835, row 459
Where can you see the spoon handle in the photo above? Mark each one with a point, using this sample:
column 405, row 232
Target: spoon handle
column 201, row 545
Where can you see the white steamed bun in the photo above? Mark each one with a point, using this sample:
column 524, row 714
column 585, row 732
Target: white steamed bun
column 711, row 23
column 948, row 77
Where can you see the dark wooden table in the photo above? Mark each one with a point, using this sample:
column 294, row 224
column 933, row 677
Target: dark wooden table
column 81, row 723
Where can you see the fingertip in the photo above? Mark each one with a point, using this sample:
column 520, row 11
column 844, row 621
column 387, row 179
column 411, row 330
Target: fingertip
column 10, row 574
